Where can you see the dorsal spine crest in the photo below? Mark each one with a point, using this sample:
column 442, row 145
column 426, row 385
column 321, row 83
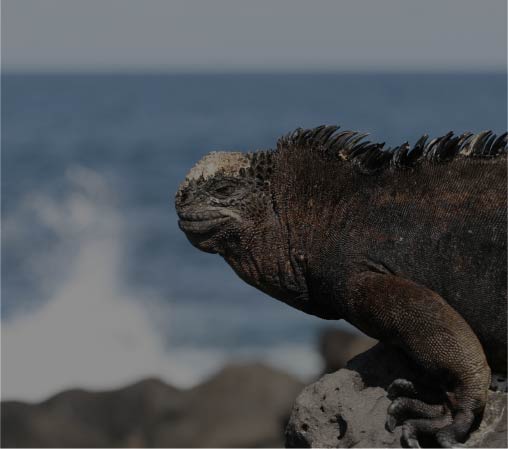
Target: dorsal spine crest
column 371, row 157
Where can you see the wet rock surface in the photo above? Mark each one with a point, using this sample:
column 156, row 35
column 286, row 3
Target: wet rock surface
column 348, row 408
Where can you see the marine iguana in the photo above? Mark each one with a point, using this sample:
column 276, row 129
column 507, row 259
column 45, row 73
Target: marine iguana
column 407, row 243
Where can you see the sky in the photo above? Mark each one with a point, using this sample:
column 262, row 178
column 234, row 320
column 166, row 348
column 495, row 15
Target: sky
column 261, row 35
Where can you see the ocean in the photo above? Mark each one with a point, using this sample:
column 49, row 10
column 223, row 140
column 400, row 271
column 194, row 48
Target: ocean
column 99, row 286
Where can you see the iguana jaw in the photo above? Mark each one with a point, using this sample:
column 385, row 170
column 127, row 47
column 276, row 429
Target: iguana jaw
column 201, row 227
column 202, row 223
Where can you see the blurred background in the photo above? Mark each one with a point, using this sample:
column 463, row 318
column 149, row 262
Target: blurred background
column 105, row 107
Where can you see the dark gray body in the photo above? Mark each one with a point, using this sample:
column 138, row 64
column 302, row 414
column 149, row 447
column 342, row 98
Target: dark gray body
column 443, row 227
column 409, row 245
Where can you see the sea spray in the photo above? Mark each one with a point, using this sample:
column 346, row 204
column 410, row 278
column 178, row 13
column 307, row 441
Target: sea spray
column 94, row 331
column 91, row 333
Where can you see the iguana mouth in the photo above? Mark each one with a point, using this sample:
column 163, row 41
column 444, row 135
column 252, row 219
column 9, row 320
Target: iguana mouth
column 201, row 223
column 201, row 216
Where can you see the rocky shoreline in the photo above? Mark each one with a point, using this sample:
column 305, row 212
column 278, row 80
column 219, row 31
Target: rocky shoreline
column 241, row 406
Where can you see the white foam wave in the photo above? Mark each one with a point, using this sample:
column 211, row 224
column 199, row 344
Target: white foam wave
column 93, row 333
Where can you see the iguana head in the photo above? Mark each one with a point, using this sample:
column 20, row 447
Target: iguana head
column 223, row 196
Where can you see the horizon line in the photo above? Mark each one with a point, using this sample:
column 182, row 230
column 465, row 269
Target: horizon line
column 247, row 71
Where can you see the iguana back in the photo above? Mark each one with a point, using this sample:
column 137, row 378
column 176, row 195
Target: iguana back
column 442, row 226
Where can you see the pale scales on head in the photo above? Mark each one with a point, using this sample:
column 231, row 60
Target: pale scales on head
column 228, row 163
column 255, row 165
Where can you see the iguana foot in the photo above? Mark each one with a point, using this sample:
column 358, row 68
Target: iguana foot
column 429, row 418
column 403, row 408
column 415, row 428
column 402, row 387
column 406, row 388
column 409, row 402
column 456, row 432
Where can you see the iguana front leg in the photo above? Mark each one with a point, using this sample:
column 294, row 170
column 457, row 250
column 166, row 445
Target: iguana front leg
column 419, row 321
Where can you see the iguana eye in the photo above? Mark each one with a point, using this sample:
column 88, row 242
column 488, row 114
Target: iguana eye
column 225, row 190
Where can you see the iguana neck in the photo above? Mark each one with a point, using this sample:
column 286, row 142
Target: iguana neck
column 279, row 271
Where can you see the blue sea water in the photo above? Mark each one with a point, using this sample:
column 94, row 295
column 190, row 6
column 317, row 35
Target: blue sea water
column 92, row 159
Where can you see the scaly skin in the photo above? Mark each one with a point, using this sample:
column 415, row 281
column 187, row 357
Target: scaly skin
column 408, row 245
